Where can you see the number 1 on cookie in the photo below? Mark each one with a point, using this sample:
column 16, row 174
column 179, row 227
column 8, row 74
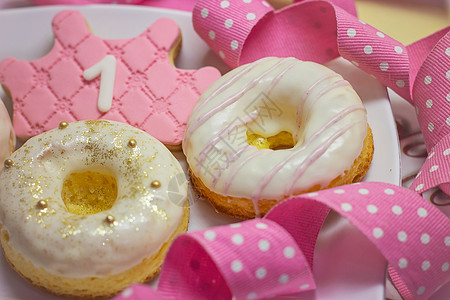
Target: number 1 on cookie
column 106, row 68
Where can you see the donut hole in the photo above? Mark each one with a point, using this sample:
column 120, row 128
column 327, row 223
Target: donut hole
column 89, row 192
column 282, row 140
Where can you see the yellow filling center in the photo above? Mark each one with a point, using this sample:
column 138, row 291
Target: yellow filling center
column 89, row 192
column 282, row 140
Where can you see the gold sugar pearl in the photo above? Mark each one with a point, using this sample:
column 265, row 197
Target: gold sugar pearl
column 42, row 204
column 132, row 143
column 63, row 125
column 8, row 163
column 155, row 184
column 110, row 220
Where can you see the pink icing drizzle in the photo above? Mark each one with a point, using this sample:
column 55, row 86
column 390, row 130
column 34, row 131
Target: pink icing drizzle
column 319, row 151
column 200, row 121
column 269, row 176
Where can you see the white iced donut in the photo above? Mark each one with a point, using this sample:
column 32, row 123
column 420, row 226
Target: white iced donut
column 85, row 209
column 7, row 136
column 272, row 129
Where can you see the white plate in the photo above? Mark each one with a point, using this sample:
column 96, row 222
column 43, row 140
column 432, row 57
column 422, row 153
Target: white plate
column 347, row 265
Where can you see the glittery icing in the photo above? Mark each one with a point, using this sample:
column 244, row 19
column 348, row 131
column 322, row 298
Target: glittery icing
column 79, row 245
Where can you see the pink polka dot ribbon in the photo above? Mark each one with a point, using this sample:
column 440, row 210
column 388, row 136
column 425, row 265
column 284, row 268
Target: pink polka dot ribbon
column 273, row 256
column 80, row 2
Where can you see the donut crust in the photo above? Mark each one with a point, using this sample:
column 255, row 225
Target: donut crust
column 90, row 287
column 243, row 208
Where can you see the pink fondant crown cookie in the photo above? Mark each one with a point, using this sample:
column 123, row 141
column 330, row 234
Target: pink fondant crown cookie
column 86, row 77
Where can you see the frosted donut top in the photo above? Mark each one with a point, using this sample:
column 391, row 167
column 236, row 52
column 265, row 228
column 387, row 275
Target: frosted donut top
column 74, row 245
column 7, row 136
column 316, row 105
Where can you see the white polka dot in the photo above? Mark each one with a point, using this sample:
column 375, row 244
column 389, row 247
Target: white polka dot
column 400, row 83
column 209, row 235
column 304, row 286
column 397, row 210
column 263, row 245
column 236, row 266
column 389, row 191
column 346, row 206
column 363, row 191
column 368, row 49
column 355, row 63
column 237, row 239
column 402, row 236
column 221, row 54
column 235, row 225
column 377, row 233
column 431, row 155
column 402, row 263
column 247, row 1
column 266, row 3
column 234, row 44
column 261, row 225
column 434, row 168
column 384, row 66
column 228, row 23
column 339, row 191
column 430, row 127
column 212, row 34
column 419, row 187
column 380, row 34
column 425, row 265
column 283, row 278
column 445, row 267
column 252, row 296
column 425, row 238
column 446, row 152
column 422, row 212
column 447, row 241
column 204, row 12
column 420, row 290
column 351, row 32
column 447, row 74
column 447, row 51
column 372, row 209
column 313, row 194
column 429, row 103
column 261, row 273
column 289, row 252
column 427, row 80
column 398, row 49
column 127, row 292
column 251, row 16
column 224, row 4
column 448, row 97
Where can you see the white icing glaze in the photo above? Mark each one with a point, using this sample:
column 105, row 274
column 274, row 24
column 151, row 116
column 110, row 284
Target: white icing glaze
column 72, row 245
column 316, row 105
column 7, row 136
column 106, row 69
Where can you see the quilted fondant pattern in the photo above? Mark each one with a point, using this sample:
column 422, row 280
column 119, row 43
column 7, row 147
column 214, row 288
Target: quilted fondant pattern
column 148, row 92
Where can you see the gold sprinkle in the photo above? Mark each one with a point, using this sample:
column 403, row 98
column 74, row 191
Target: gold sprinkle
column 63, row 125
column 8, row 163
column 110, row 220
column 155, row 184
column 42, row 204
column 132, row 143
